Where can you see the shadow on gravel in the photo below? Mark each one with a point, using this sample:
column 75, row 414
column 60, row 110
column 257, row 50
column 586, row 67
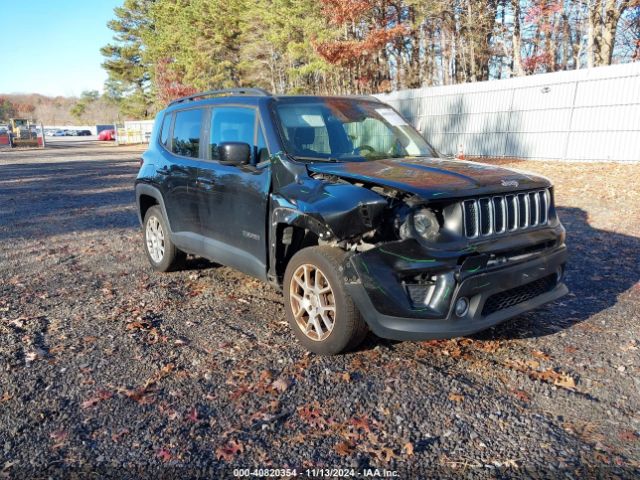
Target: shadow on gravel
column 45, row 199
column 601, row 266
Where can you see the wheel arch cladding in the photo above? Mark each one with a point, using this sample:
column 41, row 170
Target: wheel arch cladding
column 145, row 202
column 292, row 231
column 146, row 197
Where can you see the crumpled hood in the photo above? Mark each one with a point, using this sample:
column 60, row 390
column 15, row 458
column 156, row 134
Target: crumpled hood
column 433, row 177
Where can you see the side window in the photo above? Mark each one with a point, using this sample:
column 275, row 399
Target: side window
column 164, row 132
column 231, row 124
column 186, row 133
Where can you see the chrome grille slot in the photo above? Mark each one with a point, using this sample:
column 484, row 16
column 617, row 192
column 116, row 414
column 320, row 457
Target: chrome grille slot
column 505, row 213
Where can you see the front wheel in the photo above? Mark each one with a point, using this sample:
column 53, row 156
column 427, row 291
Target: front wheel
column 161, row 252
column 319, row 310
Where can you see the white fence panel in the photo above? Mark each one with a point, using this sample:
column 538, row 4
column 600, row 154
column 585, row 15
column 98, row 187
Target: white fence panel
column 590, row 114
column 135, row 131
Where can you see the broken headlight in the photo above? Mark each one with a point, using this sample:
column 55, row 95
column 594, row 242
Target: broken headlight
column 423, row 223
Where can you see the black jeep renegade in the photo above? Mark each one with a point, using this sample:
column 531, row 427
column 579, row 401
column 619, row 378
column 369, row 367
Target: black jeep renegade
column 345, row 207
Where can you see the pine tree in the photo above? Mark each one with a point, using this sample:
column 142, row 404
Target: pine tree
column 126, row 63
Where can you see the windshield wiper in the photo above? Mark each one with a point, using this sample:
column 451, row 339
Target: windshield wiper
column 316, row 159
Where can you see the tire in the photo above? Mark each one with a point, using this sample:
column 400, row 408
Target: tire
column 161, row 252
column 348, row 328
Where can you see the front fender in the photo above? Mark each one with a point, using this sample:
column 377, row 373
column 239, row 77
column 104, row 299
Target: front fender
column 332, row 211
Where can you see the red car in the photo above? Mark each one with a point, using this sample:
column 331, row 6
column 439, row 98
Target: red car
column 107, row 135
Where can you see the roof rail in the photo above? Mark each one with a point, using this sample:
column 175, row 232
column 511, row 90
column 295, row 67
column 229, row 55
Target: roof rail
column 224, row 92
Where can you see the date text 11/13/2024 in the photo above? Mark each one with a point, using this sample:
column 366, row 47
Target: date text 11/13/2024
column 316, row 472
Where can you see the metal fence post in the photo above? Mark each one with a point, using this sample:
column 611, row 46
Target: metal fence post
column 570, row 126
column 508, row 130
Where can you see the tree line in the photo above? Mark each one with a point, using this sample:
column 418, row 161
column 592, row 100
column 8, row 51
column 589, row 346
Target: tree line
column 89, row 108
column 163, row 49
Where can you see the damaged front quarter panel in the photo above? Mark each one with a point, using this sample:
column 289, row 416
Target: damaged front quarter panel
column 332, row 211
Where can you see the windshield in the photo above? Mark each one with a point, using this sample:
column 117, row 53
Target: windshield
column 344, row 129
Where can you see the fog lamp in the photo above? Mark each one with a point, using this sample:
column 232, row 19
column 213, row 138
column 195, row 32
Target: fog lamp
column 462, row 306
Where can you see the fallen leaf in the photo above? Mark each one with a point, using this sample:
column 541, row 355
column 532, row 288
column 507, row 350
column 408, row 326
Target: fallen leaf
column 117, row 436
column 408, row 448
column 521, row 395
column 229, row 451
column 99, row 397
column 59, row 438
column 540, row 354
column 280, row 385
column 192, row 416
column 30, row 356
column 164, row 454
column 361, row 423
column 628, row 436
column 510, row 464
column 383, row 454
column 532, row 364
column 565, row 381
column 343, row 449
column 313, row 415
column 455, row 397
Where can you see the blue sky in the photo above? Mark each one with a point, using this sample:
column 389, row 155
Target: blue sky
column 53, row 47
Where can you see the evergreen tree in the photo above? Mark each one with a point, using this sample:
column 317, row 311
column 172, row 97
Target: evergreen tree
column 126, row 63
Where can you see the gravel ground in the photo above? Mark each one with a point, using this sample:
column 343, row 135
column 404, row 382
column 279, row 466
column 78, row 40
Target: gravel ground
column 109, row 369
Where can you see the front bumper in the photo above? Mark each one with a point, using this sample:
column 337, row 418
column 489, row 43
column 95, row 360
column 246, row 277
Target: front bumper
column 389, row 318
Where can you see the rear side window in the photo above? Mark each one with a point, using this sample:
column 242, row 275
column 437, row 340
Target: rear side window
column 186, row 133
column 164, row 132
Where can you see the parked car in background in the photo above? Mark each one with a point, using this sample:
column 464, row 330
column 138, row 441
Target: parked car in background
column 84, row 133
column 342, row 205
column 107, row 135
column 59, row 133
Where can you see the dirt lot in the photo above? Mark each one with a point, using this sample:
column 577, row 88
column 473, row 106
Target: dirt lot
column 111, row 369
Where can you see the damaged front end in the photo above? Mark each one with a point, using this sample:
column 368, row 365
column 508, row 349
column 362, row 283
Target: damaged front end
column 425, row 266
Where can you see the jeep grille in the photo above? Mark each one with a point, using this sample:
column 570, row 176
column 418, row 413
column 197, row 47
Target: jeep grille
column 505, row 213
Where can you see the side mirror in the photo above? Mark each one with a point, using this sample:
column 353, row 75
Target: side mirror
column 234, row 153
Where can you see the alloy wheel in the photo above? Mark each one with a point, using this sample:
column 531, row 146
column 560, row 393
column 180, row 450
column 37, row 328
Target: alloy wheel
column 155, row 239
column 312, row 302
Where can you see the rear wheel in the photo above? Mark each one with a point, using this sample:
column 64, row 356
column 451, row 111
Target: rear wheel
column 161, row 252
column 319, row 310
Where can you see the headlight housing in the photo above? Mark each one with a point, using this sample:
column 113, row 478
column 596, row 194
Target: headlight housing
column 423, row 223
